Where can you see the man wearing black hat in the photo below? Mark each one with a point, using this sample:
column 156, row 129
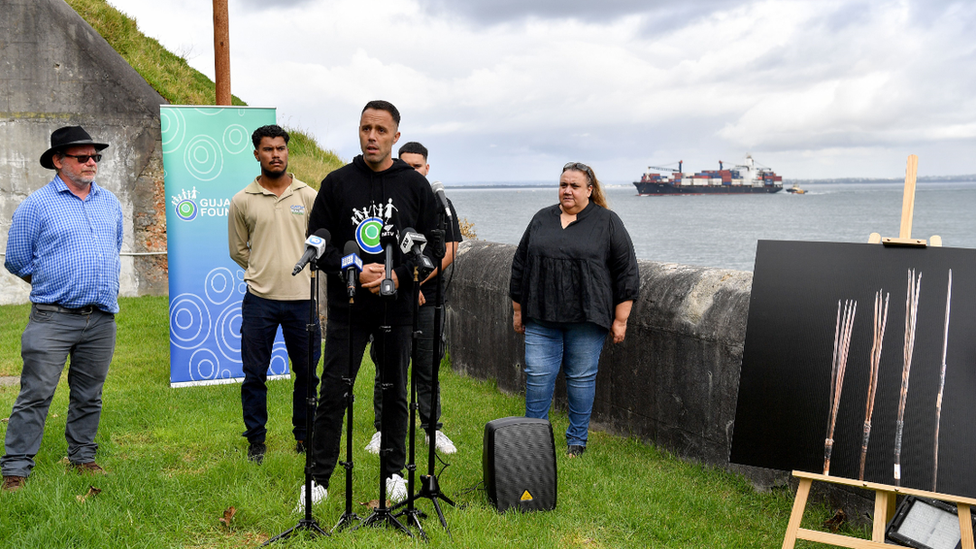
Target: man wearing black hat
column 64, row 241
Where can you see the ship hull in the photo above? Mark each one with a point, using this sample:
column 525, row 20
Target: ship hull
column 654, row 189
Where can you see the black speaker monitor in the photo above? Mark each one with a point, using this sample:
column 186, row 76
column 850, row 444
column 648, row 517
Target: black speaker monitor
column 519, row 464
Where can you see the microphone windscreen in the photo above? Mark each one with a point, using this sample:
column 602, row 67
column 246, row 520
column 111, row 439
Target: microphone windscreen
column 437, row 186
column 351, row 248
column 323, row 234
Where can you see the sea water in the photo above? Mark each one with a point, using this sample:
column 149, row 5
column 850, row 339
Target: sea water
column 722, row 230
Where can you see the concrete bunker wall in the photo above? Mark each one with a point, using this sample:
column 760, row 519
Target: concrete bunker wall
column 55, row 70
column 673, row 381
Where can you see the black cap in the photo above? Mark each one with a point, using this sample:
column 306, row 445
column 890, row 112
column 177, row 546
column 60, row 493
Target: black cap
column 68, row 136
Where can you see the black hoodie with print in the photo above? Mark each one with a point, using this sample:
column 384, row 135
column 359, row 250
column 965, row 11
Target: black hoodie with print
column 357, row 204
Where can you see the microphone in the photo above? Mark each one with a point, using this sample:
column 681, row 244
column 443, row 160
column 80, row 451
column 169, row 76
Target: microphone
column 409, row 239
column 413, row 243
column 388, row 239
column 352, row 264
column 438, row 189
column 314, row 248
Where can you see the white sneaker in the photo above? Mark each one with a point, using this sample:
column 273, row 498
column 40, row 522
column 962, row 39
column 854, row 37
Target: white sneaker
column 444, row 444
column 396, row 488
column 374, row 443
column 319, row 493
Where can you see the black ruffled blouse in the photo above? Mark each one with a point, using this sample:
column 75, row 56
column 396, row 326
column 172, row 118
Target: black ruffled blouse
column 576, row 274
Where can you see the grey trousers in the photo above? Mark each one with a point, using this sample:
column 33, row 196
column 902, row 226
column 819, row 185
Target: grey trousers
column 49, row 339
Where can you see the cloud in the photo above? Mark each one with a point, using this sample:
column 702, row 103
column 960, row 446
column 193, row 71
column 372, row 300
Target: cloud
column 266, row 5
column 508, row 89
column 493, row 12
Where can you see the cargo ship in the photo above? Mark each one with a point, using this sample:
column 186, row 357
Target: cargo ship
column 741, row 178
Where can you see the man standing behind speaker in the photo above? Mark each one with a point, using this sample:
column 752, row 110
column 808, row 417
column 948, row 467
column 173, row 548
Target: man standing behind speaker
column 415, row 155
column 360, row 201
column 267, row 225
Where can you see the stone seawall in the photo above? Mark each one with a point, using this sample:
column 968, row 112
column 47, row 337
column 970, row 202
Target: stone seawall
column 672, row 382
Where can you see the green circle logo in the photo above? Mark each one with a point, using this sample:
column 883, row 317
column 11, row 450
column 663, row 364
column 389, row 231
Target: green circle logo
column 368, row 235
column 186, row 210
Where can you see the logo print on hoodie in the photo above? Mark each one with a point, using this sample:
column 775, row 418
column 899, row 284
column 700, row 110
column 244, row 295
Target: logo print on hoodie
column 370, row 222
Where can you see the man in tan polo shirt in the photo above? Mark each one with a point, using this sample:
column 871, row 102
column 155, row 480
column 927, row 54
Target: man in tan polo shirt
column 267, row 227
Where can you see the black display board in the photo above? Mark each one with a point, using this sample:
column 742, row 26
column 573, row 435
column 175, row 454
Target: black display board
column 801, row 295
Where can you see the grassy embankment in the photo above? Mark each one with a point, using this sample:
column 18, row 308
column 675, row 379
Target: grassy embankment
column 180, row 84
column 177, row 463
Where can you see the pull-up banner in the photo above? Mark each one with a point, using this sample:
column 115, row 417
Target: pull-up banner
column 207, row 158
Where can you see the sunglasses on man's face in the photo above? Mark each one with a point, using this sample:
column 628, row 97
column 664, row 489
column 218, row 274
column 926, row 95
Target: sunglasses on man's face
column 83, row 158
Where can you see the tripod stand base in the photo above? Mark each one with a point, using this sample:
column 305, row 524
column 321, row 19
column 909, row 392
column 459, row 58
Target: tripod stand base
column 309, row 525
column 413, row 519
column 384, row 516
column 430, row 489
column 345, row 520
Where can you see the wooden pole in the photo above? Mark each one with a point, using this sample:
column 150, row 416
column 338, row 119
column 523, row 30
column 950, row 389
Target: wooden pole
column 221, row 51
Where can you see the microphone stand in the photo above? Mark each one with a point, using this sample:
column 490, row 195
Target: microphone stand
column 383, row 514
column 349, row 517
column 429, row 486
column 412, row 513
column 308, row 523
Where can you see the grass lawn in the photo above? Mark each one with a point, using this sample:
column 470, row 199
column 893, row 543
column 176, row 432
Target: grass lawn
column 177, row 462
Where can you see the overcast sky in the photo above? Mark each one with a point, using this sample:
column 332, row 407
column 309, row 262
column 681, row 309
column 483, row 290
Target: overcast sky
column 510, row 90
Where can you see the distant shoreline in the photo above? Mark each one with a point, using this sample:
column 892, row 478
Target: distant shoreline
column 786, row 182
column 920, row 179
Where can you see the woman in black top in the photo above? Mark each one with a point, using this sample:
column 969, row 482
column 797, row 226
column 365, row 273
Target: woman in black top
column 574, row 280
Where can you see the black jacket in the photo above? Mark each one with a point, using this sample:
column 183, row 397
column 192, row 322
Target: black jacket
column 356, row 204
column 576, row 274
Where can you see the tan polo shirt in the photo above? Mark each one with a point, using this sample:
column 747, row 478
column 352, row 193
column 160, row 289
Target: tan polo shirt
column 266, row 234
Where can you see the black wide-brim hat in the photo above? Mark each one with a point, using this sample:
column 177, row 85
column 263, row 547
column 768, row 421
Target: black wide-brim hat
column 68, row 136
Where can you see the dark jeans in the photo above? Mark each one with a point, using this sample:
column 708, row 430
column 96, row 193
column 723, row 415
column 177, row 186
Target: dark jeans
column 49, row 339
column 392, row 360
column 259, row 325
column 422, row 368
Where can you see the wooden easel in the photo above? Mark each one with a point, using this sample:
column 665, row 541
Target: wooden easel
column 884, row 510
column 884, row 494
column 907, row 213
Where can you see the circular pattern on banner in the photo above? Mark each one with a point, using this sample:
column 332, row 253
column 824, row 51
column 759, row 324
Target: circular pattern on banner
column 228, row 332
column 172, row 125
column 279, row 359
column 204, row 364
column 186, row 210
column 209, row 111
column 189, row 321
column 241, row 285
column 235, row 139
column 204, row 158
column 220, row 285
column 368, row 235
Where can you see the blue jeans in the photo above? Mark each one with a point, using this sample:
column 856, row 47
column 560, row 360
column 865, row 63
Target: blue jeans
column 575, row 347
column 260, row 319
column 48, row 340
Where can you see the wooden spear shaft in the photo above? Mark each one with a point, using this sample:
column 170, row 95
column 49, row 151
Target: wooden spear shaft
column 911, row 309
column 942, row 375
column 880, row 321
column 842, row 343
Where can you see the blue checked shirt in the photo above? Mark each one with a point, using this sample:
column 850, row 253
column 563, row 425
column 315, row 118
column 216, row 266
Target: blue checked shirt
column 69, row 247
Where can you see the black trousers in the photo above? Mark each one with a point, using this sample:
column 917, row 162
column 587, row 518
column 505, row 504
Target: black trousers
column 393, row 355
column 422, row 368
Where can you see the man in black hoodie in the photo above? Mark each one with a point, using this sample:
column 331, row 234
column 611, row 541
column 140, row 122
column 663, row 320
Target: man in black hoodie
column 358, row 202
